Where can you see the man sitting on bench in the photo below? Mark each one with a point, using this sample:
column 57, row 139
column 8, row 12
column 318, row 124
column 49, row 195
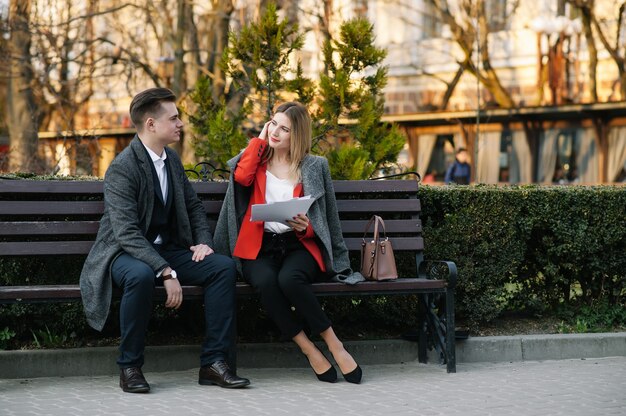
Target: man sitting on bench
column 154, row 231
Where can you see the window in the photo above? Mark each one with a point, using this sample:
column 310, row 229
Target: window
column 360, row 8
column 565, row 170
column 506, row 149
column 431, row 23
column 496, row 14
column 442, row 157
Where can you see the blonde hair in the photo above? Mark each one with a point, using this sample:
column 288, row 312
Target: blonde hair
column 300, row 140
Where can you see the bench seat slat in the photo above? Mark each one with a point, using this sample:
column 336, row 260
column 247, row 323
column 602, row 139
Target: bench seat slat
column 61, row 293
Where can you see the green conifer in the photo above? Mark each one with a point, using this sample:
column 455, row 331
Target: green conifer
column 355, row 141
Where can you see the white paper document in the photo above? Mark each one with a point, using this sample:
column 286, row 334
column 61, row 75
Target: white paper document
column 281, row 211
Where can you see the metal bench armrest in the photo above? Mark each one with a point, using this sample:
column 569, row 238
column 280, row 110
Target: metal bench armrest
column 438, row 270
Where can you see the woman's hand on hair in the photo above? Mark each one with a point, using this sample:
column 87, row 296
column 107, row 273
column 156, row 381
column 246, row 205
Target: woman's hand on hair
column 264, row 133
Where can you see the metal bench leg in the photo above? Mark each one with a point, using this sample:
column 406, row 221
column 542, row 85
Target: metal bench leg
column 450, row 334
column 422, row 330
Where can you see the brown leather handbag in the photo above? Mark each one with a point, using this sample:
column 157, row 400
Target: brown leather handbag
column 377, row 260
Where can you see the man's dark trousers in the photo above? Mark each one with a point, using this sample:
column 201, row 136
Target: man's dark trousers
column 216, row 274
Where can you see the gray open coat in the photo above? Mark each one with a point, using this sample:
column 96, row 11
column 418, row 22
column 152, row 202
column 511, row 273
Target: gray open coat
column 317, row 182
column 128, row 205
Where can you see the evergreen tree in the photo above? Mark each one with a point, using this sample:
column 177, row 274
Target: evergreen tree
column 219, row 132
column 365, row 145
column 257, row 61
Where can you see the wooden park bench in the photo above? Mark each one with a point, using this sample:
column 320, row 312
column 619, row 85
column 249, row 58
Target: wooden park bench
column 60, row 218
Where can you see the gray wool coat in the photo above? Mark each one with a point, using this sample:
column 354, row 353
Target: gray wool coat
column 128, row 204
column 323, row 216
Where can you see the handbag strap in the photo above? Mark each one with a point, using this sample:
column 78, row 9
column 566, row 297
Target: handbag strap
column 376, row 220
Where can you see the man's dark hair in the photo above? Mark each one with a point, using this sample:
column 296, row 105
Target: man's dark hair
column 461, row 149
column 148, row 102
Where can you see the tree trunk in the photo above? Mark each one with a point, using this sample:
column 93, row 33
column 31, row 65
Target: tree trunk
column 452, row 86
column 178, row 77
column 490, row 78
column 178, row 81
column 225, row 10
column 465, row 38
column 22, row 111
column 593, row 54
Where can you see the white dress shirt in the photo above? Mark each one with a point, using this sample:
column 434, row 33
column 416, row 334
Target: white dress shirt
column 277, row 190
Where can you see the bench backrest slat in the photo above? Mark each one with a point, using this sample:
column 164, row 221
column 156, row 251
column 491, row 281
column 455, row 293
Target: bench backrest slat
column 50, row 228
column 90, row 187
column 212, row 207
column 379, row 205
column 51, row 207
column 399, row 243
column 37, row 228
column 18, row 248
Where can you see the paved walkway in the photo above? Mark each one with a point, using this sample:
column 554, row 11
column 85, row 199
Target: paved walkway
column 566, row 387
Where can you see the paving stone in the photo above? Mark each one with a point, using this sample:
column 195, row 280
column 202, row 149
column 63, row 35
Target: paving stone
column 546, row 388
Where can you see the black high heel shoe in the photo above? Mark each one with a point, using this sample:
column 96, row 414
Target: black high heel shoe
column 354, row 376
column 328, row 376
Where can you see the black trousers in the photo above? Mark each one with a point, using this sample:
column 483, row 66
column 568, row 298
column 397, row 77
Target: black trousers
column 282, row 275
column 216, row 274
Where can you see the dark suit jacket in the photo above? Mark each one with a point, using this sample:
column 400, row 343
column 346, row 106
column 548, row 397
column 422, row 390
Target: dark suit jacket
column 128, row 205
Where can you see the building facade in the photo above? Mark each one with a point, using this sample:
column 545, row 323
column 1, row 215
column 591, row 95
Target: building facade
column 527, row 87
column 555, row 127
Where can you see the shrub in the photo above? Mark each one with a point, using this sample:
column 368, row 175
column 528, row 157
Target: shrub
column 529, row 248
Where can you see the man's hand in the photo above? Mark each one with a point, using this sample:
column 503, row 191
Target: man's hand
column 174, row 293
column 200, row 252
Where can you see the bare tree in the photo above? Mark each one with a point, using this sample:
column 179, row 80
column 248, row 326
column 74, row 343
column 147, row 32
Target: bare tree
column 595, row 25
column 53, row 63
column 23, row 113
column 170, row 43
column 468, row 27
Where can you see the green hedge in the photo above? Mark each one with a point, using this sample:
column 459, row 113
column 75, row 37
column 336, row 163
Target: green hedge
column 532, row 249
column 528, row 248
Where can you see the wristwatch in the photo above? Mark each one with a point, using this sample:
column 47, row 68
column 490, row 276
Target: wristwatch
column 170, row 275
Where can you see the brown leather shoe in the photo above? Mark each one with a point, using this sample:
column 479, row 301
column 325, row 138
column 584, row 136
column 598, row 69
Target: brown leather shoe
column 220, row 374
column 133, row 381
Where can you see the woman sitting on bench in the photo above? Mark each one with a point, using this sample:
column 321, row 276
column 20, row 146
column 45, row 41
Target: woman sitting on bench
column 281, row 260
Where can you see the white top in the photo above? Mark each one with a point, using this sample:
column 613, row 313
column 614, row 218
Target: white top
column 277, row 190
column 161, row 170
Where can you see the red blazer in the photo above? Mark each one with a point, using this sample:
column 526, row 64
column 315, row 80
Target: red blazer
column 251, row 172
